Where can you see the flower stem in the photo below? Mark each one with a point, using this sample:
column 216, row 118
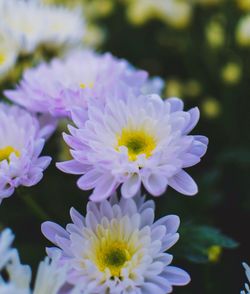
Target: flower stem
column 34, row 207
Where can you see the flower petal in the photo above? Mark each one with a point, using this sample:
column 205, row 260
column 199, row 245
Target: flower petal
column 184, row 184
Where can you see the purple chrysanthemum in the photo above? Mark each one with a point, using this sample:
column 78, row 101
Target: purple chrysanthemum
column 118, row 248
column 22, row 137
column 54, row 88
column 136, row 141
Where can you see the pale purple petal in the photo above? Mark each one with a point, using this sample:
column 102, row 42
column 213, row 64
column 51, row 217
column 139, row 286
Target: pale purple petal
column 184, row 184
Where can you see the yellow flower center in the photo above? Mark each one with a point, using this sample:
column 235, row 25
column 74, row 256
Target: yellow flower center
column 6, row 152
column 2, row 58
column 88, row 85
column 113, row 256
column 138, row 141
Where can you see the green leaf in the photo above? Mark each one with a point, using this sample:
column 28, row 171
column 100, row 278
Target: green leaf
column 202, row 243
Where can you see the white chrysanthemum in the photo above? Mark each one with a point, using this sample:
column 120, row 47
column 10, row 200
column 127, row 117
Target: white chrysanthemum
column 22, row 138
column 34, row 24
column 247, row 270
column 118, row 248
column 63, row 26
column 140, row 140
column 17, row 278
column 24, row 21
column 8, row 51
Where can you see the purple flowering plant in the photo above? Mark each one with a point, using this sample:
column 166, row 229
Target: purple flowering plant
column 126, row 142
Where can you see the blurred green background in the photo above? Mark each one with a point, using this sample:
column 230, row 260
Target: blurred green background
column 202, row 51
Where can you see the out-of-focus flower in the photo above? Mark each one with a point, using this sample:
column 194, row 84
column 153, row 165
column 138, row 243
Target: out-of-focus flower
column 64, row 27
column 215, row 34
column 211, row 107
column 33, row 24
column 243, row 31
column 6, row 239
column 94, row 36
column 247, row 271
column 17, row 278
column 50, row 279
column 139, row 140
column 243, row 4
column 214, row 253
column 8, row 52
column 231, row 73
column 54, row 88
column 22, row 138
column 117, row 248
column 97, row 8
column 175, row 13
column 174, row 88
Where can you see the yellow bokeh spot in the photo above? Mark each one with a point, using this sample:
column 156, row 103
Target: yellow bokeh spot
column 231, row 73
column 138, row 141
column 214, row 253
column 113, row 256
column 2, row 58
column 215, row 34
column 243, row 4
column 174, row 88
column 211, row 108
column 6, row 152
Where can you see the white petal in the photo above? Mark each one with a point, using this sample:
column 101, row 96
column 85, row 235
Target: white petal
column 131, row 186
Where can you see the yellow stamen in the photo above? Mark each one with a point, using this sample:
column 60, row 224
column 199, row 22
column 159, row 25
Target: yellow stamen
column 84, row 86
column 6, row 152
column 112, row 256
column 138, row 141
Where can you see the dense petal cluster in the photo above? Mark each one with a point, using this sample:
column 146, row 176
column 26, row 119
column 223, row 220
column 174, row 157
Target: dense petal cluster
column 33, row 24
column 17, row 277
column 22, row 137
column 118, row 248
column 82, row 76
column 138, row 140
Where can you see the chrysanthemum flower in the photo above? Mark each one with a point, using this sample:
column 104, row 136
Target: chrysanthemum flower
column 140, row 140
column 17, row 277
column 117, row 248
column 8, row 51
column 33, row 24
column 58, row 86
column 22, row 138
